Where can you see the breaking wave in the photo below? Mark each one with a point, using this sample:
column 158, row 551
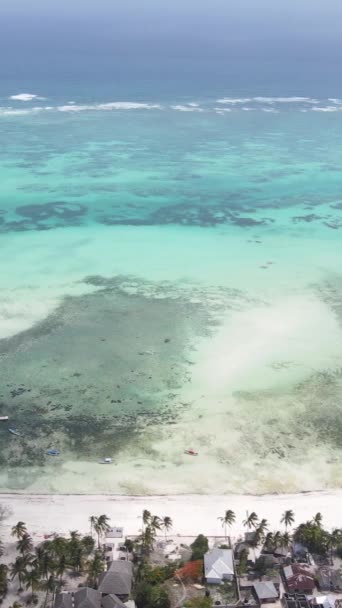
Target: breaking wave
column 222, row 106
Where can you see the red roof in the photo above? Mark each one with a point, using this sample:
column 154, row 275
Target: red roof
column 298, row 578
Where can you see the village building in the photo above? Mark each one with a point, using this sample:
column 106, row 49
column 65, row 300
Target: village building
column 117, row 580
column 85, row 597
column 328, row 579
column 295, row 600
column 218, row 566
column 266, row 592
column 298, row 579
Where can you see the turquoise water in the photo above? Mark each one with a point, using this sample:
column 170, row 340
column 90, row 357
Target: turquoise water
column 171, row 279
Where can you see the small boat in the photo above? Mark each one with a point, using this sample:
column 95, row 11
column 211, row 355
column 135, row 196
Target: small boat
column 53, row 452
column 14, row 432
column 191, row 452
column 106, row 461
column 3, row 418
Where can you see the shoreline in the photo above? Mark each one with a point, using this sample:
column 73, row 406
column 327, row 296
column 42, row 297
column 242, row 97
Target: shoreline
column 191, row 514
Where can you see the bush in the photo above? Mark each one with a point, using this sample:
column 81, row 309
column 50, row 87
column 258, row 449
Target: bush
column 199, row 602
column 199, row 547
column 129, row 544
column 157, row 575
column 151, row 596
column 192, row 571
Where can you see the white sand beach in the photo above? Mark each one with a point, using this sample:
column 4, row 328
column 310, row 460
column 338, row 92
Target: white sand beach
column 191, row 514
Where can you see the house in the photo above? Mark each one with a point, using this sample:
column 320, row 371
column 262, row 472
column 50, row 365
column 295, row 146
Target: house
column 300, row 552
column 266, row 592
column 64, row 600
column 117, row 580
column 322, row 601
column 85, row 597
column 282, row 552
column 112, row 601
column 218, row 566
column 295, row 600
column 328, row 579
column 298, row 579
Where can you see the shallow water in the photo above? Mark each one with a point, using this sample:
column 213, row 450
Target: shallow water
column 171, row 279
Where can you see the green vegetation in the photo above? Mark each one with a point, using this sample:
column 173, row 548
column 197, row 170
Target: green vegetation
column 199, row 602
column 151, row 596
column 156, row 575
column 227, row 520
column 199, row 547
column 3, row 580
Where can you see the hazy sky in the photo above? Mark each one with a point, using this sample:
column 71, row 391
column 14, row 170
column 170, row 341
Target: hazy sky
column 309, row 18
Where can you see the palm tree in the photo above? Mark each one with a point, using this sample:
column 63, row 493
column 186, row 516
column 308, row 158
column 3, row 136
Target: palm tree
column 288, row 518
column 43, row 561
column 277, row 539
column 227, row 520
column 317, row 520
column 262, row 527
column 156, row 523
column 101, row 527
column 58, row 546
column 49, row 586
column 32, row 580
column 3, row 580
column 95, row 568
column 285, row 540
column 334, row 540
column 146, row 517
column 251, row 520
column 19, row 569
column 269, row 540
column 93, row 520
column 167, row 524
column 148, row 537
column 88, row 544
column 61, row 567
column 19, row 530
column 25, row 544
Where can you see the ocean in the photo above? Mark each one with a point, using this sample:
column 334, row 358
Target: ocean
column 170, row 273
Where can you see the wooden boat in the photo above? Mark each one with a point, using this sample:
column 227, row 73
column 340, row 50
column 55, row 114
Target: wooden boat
column 191, row 452
column 106, row 461
column 3, row 418
column 53, row 452
column 14, row 432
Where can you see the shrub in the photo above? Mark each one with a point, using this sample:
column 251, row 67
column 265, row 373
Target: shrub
column 151, row 596
column 199, row 547
column 192, row 571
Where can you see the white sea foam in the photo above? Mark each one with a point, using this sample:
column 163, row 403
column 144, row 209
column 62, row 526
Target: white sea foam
column 325, row 109
column 270, row 110
column 335, row 100
column 115, row 105
column 222, row 110
column 233, row 100
column 188, row 108
column 272, row 100
column 25, row 97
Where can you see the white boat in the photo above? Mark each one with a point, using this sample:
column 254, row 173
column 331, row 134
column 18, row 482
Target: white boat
column 106, row 461
column 3, row 417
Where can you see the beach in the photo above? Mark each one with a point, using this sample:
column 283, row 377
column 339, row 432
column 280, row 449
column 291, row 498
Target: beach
column 191, row 515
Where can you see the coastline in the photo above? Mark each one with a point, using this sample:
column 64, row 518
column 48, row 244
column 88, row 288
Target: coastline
column 191, row 514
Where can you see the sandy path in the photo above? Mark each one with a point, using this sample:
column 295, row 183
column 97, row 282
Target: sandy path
column 191, row 514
